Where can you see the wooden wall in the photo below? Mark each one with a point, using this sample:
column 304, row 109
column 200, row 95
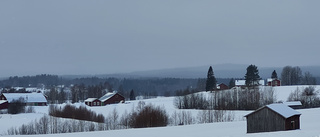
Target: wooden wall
column 265, row 120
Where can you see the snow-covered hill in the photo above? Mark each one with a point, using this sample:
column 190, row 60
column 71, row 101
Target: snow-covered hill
column 309, row 121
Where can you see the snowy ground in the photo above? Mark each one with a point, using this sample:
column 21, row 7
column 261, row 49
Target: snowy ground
column 310, row 120
column 283, row 92
column 309, row 128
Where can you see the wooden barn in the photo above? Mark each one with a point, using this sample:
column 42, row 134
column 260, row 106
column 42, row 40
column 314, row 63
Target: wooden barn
column 274, row 82
column 222, row 86
column 31, row 99
column 111, row 98
column 273, row 117
column 92, row 102
column 3, row 104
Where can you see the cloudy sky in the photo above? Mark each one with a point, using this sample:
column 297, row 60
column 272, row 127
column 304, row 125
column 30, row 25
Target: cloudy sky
column 112, row 36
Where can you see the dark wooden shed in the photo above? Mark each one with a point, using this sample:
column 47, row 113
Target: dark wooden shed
column 273, row 117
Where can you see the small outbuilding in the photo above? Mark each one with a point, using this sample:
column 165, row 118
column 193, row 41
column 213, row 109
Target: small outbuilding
column 274, row 82
column 92, row 102
column 111, row 98
column 222, row 86
column 273, row 117
column 294, row 104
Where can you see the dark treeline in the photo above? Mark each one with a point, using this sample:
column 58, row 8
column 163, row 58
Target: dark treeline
column 141, row 86
column 34, row 81
column 232, row 99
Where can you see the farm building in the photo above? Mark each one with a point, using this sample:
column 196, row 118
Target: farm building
column 92, row 102
column 111, row 98
column 242, row 83
column 273, row 82
column 294, row 104
column 222, row 86
column 31, row 99
column 273, row 117
column 3, row 104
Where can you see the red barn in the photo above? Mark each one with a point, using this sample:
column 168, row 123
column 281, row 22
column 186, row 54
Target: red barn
column 4, row 104
column 92, row 102
column 222, row 86
column 112, row 98
column 274, row 82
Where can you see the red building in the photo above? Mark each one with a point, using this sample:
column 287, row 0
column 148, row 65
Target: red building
column 92, row 102
column 112, row 98
column 3, row 104
column 274, row 82
column 222, row 86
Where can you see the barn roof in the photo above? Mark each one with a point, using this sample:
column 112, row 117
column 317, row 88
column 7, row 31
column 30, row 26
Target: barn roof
column 3, row 101
column 293, row 103
column 106, row 96
column 240, row 82
column 90, row 99
column 281, row 109
column 28, row 97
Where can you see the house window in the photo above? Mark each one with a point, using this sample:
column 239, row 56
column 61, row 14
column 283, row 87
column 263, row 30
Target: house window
column 98, row 103
column 94, row 103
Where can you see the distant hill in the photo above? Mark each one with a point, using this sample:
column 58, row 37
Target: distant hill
column 220, row 71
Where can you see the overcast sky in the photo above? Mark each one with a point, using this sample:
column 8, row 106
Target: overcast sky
column 112, row 36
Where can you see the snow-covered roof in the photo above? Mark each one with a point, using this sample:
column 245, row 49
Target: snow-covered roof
column 106, row 96
column 269, row 80
column 3, row 101
column 293, row 103
column 243, row 82
column 283, row 110
column 90, row 99
column 240, row 82
column 28, row 97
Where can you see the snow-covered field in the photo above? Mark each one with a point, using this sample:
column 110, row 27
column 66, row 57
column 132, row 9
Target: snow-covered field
column 283, row 92
column 310, row 120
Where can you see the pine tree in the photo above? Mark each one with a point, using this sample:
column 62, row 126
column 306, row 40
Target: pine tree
column 132, row 96
column 274, row 75
column 211, row 80
column 252, row 76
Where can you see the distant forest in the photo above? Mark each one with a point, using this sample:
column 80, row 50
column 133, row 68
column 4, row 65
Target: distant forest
column 154, row 86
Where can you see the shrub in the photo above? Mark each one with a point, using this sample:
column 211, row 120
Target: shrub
column 149, row 116
column 16, row 106
column 81, row 113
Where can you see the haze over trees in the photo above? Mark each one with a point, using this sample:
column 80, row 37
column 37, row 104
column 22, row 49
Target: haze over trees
column 293, row 76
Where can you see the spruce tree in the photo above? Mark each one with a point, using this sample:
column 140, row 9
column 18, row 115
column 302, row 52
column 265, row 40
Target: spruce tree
column 252, row 76
column 274, row 75
column 132, row 96
column 211, row 80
